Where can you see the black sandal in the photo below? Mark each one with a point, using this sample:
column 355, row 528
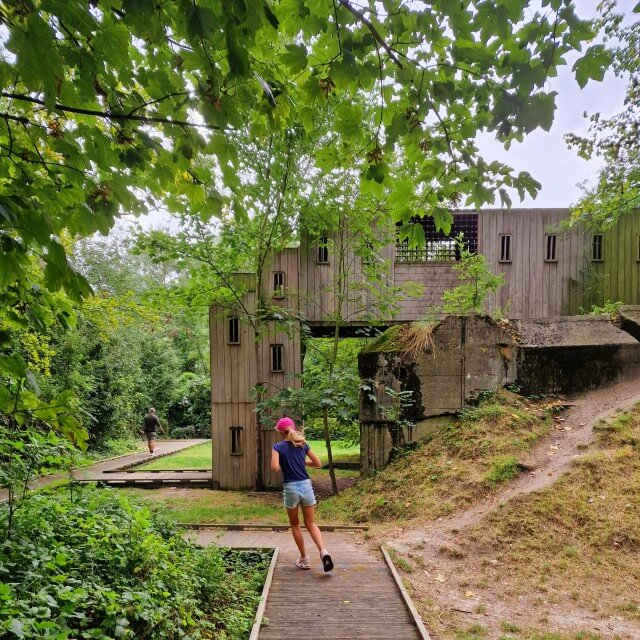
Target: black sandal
column 327, row 562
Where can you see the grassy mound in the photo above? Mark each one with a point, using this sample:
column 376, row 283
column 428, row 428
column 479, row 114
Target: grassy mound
column 581, row 537
column 459, row 464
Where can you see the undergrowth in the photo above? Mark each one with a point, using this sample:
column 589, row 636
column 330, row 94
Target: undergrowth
column 460, row 463
column 93, row 565
column 579, row 538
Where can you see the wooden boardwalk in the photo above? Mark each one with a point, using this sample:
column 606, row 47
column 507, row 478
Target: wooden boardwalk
column 358, row 600
column 121, row 471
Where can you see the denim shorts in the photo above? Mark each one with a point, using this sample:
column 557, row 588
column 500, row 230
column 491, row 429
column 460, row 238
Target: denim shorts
column 298, row 492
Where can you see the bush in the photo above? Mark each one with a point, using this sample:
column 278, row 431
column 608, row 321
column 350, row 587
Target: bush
column 93, row 565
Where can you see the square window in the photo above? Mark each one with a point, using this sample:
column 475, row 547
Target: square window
column 278, row 284
column 597, row 247
column 236, row 441
column 234, row 330
column 323, row 250
column 505, row 247
column 551, row 247
column 277, row 352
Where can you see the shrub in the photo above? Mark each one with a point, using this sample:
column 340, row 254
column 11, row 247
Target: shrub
column 92, row 565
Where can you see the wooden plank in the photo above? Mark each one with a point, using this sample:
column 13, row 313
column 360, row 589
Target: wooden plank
column 255, row 630
column 269, row 527
column 405, row 596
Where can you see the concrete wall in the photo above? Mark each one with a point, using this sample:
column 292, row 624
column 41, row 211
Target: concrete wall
column 467, row 355
column 574, row 353
column 470, row 354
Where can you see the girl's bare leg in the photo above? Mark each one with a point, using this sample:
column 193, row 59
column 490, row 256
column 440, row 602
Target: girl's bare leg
column 308, row 513
column 296, row 531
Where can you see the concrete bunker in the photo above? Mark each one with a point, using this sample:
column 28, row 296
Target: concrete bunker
column 448, row 363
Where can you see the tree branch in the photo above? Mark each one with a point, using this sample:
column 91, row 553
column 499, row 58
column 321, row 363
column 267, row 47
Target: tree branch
column 374, row 32
column 107, row 115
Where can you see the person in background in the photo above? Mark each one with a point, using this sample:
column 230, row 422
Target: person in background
column 151, row 427
column 292, row 455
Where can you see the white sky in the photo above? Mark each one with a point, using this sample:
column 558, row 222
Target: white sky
column 545, row 154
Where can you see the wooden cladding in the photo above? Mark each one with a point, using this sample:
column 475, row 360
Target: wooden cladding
column 233, row 329
column 505, row 247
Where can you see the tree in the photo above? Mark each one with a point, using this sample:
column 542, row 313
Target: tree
column 476, row 282
column 109, row 107
column 616, row 139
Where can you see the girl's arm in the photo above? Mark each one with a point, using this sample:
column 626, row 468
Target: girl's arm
column 314, row 461
column 275, row 461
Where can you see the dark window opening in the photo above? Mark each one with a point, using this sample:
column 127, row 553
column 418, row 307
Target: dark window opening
column 276, row 357
column 597, row 248
column 323, row 250
column 440, row 246
column 236, row 441
column 551, row 245
column 638, row 247
column 234, row 330
column 505, row 248
column 278, row 284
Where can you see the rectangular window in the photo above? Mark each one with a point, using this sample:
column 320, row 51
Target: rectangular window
column 597, row 247
column 551, row 247
column 638, row 247
column 505, row 247
column 278, row 284
column 236, row 441
column 234, row 330
column 439, row 246
column 276, row 357
column 323, row 250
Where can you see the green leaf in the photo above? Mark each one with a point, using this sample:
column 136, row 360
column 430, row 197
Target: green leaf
column 296, row 57
column 14, row 366
column 593, row 65
column 16, row 627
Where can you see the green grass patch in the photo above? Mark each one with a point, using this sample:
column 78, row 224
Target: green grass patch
column 199, row 456
column 214, row 507
column 193, row 458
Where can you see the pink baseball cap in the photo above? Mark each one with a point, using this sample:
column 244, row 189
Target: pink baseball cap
column 284, row 424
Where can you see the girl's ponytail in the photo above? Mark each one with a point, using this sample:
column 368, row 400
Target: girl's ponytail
column 295, row 437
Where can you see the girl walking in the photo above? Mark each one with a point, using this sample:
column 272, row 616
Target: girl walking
column 292, row 456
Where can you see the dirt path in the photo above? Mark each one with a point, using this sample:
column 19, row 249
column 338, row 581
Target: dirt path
column 440, row 579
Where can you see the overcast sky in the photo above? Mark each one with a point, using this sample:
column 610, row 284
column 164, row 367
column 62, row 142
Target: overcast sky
column 544, row 154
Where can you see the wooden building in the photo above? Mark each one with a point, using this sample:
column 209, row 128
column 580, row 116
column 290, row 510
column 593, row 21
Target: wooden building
column 549, row 271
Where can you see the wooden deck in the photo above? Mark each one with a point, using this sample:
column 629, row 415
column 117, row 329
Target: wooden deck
column 358, row 600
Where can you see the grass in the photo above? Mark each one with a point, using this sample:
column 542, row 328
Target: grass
column 199, row 457
column 579, row 538
column 459, row 464
column 193, row 458
column 206, row 506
